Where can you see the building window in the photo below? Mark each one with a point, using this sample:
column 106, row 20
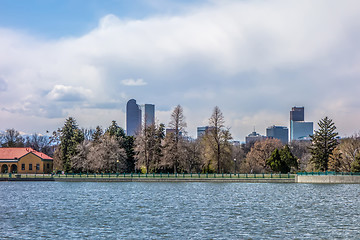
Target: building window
column 37, row 166
column 48, row 166
column 23, row 166
column 30, row 166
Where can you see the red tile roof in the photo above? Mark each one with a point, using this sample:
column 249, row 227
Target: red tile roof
column 16, row 153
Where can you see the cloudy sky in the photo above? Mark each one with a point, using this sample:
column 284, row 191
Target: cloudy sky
column 254, row 59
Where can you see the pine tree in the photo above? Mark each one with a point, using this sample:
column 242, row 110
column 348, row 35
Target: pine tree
column 275, row 162
column 323, row 143
column 70, row 136
column 125, row 142
column 282, row 160
column 289, row 159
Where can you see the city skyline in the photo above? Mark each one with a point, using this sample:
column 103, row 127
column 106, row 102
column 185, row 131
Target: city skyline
column 255, row 60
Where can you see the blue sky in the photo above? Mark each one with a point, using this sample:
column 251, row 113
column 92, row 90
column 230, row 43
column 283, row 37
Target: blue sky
column 253, row 59
column 55, row 18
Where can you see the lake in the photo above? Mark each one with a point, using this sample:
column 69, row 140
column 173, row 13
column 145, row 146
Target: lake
column 135, row 210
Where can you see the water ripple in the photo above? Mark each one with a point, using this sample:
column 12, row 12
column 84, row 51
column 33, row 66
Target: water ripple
column 60, row 210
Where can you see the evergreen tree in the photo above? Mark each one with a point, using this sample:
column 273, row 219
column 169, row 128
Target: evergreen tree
column 125, row 142
column 97, row 134
column 323, row 143
column 70, row 136
column 276, row 163
column 289, row 159
column 282, row 160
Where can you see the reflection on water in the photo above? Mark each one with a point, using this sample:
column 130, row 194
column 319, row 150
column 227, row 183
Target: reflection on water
column 51, row 210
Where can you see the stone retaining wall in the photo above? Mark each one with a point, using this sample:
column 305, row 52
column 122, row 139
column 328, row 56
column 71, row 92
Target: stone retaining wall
column 327, row 179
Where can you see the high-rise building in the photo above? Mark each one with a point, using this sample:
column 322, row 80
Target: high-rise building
column 278, row 132
column 299, row 129
column 297, row 114
column 201, row 131
column 133, row 117
column 254, row 137
column 149, row 114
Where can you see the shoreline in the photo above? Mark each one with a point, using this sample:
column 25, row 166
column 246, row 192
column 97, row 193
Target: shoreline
column 134, row 179
column 312, row 179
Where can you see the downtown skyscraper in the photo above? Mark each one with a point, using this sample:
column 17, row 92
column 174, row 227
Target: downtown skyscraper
column 137, row 116
column 299, row 129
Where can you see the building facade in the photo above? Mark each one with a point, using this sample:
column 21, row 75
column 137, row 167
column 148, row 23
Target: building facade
column 138, row 116
column 299, row 129
column 201, row 131
column 133, row 117
column 297, row 114
column 278, row 132
column 254, row 137
column 149, row 114
column 24, row 160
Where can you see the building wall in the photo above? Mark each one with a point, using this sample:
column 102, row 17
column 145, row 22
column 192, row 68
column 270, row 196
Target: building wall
column 7, row 167
column 297, row 114
column 149, row 117
column 278, row 132
column 133, row 117
column 301, row 130
column 34, row 160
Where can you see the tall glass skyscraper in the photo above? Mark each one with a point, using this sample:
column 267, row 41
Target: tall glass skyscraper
column 299, row 129
column 297, row 114
column 278, row 132
column 138, row 115
column 133, row 117
column 149, row 114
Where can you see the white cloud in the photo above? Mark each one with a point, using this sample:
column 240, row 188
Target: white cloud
column 252, row 58
column 133, row 82
column 68, row 93
column 3, row 85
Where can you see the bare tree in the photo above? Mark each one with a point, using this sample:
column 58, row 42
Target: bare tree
column 174, row 142
column 349, row 148
column 259, row 153
column 11, row 138
column 301, row 150
column 148, row 147
column 39, row 143
column 192, row 152
column 218, row 138
column 107, row 156
column 239, row 156
column 80, row 162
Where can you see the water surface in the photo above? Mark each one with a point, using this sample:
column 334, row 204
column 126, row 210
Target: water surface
column 65, row 210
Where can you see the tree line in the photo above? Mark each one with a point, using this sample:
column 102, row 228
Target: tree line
column 109, row 150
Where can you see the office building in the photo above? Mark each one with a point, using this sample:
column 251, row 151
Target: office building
column 299, row 129
column 201, row 131
column 133, row 117
column 149, row 114
column 278, row 132
column 254, row 137
column 169, row 131
column 297, row 114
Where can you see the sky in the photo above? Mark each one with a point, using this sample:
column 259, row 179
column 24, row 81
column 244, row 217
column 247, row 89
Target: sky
column 254, row 59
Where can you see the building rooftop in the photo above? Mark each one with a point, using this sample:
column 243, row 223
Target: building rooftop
column 16, row 153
